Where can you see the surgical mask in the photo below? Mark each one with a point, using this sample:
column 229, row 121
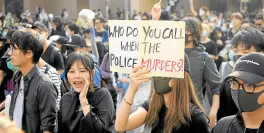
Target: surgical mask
column 4, row 34
column 67, row 34
column 231, row 55
column 11, row 67
column 161, row 85
column 187, row 39
column 246, row 102
column 236, row 57
column 42, row 37
column 204, row 34
column 201, row 12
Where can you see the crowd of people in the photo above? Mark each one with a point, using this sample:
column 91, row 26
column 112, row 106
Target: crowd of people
column 55, row 76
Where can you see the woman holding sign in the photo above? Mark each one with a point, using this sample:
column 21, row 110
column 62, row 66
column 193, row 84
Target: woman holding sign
column 172, row 108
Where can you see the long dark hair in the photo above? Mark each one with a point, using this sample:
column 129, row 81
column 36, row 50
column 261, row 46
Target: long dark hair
column 179, row 112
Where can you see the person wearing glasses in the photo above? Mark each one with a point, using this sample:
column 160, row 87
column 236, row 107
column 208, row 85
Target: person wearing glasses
column 244, row 42
column 100, row 33
column 247, row 90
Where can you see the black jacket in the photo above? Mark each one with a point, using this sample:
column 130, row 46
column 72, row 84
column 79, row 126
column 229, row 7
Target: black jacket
column 238, row 126
column 98, row 120
column 39, row 112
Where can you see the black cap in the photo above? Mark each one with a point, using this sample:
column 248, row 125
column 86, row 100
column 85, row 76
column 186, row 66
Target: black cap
column 249, row 68
column 62, row 40
column 40, row 26
column 77, row 41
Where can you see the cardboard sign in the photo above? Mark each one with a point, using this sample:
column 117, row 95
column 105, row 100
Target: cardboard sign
column 158, row 45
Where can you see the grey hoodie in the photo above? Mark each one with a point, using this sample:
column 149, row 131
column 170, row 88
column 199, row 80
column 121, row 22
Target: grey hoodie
column 203, row 70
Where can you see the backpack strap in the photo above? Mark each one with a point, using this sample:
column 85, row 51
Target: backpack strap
column 223, row 126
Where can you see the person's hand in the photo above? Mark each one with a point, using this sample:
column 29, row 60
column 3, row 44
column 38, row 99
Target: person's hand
column 212, row 117
column 139, row 75
column 156, row 11
column 117, row 89
column 83, row 94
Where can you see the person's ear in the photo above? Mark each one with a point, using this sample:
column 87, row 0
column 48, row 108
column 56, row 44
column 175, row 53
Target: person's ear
column 172, row 83
column 29, row 54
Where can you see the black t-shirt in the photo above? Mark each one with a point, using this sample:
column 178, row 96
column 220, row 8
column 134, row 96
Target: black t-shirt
column 211, row 47
column 251, row 130
column 198, row 124
column 53, row 57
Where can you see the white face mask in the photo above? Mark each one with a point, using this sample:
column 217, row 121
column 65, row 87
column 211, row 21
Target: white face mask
column 42, row 37
column 201, row 12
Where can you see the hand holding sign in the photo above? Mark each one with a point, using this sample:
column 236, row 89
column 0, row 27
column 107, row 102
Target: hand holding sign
column 138, row 76
column 156, row 11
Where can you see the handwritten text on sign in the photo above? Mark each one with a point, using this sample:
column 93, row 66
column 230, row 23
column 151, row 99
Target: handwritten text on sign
column 159, row 45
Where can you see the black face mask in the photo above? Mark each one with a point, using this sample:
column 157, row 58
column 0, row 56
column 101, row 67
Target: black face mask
column 161, row 85
column 236, row 57
column 187, row 39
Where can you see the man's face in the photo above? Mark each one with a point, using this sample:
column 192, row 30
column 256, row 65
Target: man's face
column 236, row 22
column 259, row 24
column 98, row 24
column 43, row 35
column 18, row 58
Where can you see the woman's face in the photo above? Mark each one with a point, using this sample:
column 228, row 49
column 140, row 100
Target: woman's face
column 76, row 76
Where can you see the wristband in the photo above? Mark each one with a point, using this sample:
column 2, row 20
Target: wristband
column 127, row 102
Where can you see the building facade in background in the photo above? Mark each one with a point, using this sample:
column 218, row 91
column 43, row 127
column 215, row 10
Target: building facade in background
column 128, row 6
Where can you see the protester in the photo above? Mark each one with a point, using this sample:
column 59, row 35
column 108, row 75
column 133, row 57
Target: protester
column 87, row 108
column 9, row 20
column 100, row 33
column 211, row 47
column 203, row 12
column 62, row 48
column 33, row 103
column 164, row 111
column 58, row 27
column 72, row 30
column 43, row 16
column 107, row 77
column 50, row 54
column 247, row 90
column 203, row 67
column 5, row 77
column 259, row 23
column 64, row 14
column 244, row 42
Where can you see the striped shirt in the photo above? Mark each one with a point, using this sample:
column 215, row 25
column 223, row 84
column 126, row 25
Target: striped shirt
column 55, row 78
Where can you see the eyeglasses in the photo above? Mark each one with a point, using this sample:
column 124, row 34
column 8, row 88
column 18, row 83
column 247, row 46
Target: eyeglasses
column 235, row 85
column 97, row 23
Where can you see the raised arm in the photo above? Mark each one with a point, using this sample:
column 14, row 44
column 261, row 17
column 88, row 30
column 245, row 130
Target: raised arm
column 194, row 13
column 125, row 121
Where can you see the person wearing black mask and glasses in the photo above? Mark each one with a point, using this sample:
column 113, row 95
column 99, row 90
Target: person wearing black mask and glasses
column 244, row 42
column 247, row 90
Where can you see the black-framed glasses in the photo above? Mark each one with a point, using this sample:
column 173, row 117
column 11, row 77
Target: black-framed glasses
column 235, row 85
